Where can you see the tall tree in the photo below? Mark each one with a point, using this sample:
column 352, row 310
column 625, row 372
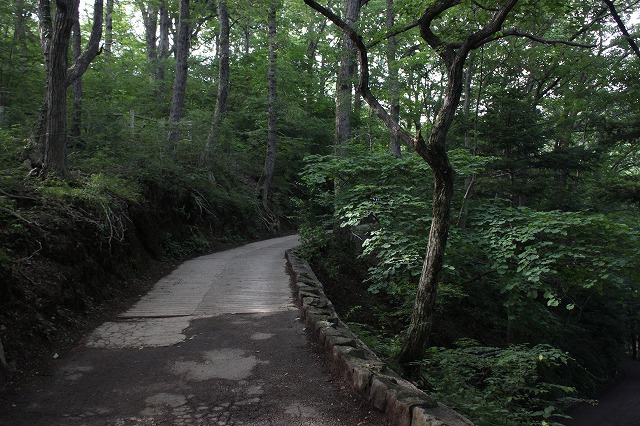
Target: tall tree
column 433, row 150
column 180, row 82
column 394, row 85
column 150, row 22
column 108, row 28
column 223, row 79
column 51, row 132
column 272, row 99
column 76, row 114
column 346, row 75
column 20, row 34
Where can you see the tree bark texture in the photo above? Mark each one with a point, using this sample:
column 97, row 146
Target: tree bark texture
column 150, row 21
column 108, row 28
column 20, row 34
column 223, row 79
column 76, row 115
column 48, row 147
column 344, row 84
column 180, row 83
column 272, row 95
column 55, row 147
column 164, row 47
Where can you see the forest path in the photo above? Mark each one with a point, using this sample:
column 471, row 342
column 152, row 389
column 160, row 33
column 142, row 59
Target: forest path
column 216, row 342
column 617, row 406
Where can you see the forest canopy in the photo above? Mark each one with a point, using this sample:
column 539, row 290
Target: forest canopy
column 477, row 161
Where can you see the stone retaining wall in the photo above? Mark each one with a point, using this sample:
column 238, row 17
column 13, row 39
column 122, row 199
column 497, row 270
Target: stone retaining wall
column 404, row 404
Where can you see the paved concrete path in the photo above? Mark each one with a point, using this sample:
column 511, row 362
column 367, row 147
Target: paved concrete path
column 216, row 342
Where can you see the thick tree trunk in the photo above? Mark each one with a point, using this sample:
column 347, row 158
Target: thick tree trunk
column 180, row 83
column 272, row 95
column 394, row 87
column 48, row 145
column 164, row 48
column 223, row 80
column 55, row 148
column 150, row 21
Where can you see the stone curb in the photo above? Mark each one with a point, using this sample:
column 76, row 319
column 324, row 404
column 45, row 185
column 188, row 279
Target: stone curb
column 383, row 388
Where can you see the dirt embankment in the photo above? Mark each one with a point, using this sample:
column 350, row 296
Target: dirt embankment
column 65, row 265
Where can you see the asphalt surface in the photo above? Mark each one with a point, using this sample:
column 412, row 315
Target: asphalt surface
column 216, row 342
column 619, row 405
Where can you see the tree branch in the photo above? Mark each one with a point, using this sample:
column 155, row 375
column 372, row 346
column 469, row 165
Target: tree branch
column 425, row 20
column 482, row 36
column 394, row 33
column 483, row 7
column 416, row 143
column 516, row 33
column 93, row 46
column 623, row 29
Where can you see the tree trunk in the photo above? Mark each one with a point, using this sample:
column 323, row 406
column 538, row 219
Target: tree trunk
column 436, row 155
column 223, row 79
column 48, row 145
column 180, row 83
column 108, row 28
column 150, row 21
column 55, row 147
column 81, row 64
column 272, row 95
column 164, row 48
column 344, row 84
column 433, row 152
column 394, row 87
column 20, row 35
column 76, row 115
column 466, row 110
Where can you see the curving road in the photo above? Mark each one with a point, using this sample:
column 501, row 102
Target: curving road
column 216, row 342
column 617, row 406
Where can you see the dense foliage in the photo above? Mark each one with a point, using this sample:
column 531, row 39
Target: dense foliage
column 538, row 298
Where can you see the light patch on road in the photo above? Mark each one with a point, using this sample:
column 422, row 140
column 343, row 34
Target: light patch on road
column 139, row 333
column 75, row 372
column 300, row 410
column 228, row 364
column 261, row 336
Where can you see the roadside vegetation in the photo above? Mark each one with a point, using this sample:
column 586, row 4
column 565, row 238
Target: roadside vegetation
column 157, row 130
